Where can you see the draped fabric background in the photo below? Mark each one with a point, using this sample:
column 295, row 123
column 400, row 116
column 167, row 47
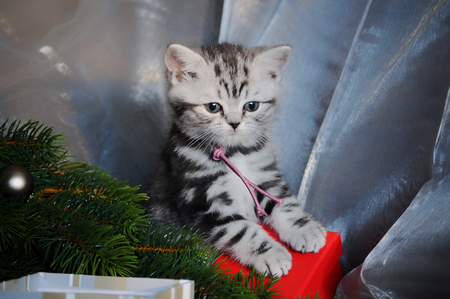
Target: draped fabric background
column 363, row 128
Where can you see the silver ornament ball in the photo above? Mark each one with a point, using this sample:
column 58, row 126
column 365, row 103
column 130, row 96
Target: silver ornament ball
column 16, row 180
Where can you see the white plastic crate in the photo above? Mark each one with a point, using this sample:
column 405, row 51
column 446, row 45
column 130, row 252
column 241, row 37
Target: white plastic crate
column 70, row 286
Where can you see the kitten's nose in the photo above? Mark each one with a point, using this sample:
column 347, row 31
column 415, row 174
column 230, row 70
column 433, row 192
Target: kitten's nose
column 234, row 125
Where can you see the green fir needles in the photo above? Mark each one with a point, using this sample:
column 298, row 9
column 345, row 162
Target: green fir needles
column 81, row 220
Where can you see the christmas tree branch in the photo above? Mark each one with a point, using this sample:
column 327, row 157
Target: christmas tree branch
column 81, row 220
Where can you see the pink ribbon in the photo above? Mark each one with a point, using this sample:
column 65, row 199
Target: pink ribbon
column 218, row 155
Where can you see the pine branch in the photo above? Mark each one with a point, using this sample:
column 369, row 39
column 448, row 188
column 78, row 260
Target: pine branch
column 81, row 220
column 20, row 231
column 31, row 145
column 258, row 284
column 98, row 218
column 92, row 250
column 86, row 226
column 183, row 254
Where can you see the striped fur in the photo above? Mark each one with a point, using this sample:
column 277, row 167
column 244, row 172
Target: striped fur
column 192, row 189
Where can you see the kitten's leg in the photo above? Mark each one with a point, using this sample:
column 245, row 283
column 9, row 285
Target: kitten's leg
column 249, row 244
column 296, row 227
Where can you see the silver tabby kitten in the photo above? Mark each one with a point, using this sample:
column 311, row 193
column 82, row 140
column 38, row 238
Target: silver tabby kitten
column 226, row 95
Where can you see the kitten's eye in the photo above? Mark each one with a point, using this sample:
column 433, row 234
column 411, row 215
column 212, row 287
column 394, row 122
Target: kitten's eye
column 251, row 106
column 213, row 107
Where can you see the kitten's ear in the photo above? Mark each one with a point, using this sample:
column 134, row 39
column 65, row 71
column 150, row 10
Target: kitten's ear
column 182, row 63
column 272, row 61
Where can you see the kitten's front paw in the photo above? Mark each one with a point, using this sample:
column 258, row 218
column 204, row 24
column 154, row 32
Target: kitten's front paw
column 305, row 235
column 272, row 258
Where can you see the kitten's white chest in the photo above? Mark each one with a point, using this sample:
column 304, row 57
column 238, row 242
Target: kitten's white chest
column 235, row 188
column 239, row 192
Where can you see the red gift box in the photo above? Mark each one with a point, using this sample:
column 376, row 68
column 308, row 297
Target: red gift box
column 310, row 272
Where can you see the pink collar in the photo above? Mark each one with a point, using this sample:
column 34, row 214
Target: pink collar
column 218, row 155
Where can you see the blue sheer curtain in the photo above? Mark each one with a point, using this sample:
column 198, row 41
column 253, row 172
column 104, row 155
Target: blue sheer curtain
column 94, row 70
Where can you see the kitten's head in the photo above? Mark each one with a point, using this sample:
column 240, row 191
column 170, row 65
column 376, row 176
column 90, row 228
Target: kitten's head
column 225, row 94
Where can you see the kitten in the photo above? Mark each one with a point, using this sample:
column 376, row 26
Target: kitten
column 226, row 95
